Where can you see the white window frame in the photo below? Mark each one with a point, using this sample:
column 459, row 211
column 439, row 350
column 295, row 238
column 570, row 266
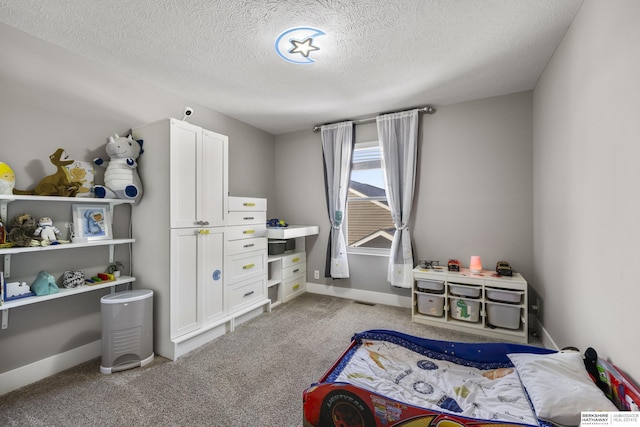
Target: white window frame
column 362, row 250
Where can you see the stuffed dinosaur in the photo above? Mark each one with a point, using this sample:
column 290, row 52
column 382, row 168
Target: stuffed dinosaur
column 57, row 184
column 121, row 179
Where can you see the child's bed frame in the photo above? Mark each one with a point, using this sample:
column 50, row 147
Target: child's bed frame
column 326, row 401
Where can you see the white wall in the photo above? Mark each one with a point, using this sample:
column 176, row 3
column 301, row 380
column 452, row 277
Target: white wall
column 586, row 184
column 473, row 196
column 52, row 98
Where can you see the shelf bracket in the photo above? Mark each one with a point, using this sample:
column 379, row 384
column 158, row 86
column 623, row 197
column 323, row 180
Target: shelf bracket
column 5, row 318
column 7, row 266
column 111, row 254
column 3, row 210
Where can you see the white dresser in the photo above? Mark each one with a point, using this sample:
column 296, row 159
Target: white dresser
column 246, row 254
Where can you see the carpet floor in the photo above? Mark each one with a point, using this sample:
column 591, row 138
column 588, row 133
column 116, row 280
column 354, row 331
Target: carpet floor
column 254, row 376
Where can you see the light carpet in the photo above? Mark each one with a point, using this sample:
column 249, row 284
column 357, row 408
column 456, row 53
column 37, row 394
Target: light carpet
column 254, row 376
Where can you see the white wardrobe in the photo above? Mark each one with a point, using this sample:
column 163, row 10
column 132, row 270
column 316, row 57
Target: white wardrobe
column 179, row 227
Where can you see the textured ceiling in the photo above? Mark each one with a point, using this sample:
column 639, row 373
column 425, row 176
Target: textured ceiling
column 375, row 56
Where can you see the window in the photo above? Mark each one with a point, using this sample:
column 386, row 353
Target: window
column 369, row 226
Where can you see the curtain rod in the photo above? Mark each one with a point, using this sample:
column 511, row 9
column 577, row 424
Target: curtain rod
column 426, row 109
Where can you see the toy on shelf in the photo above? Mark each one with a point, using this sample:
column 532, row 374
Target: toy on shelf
column 7, row 179
column 121, row 179
column 22, row 230
column 276, row 223
column 57, row 184
column 47, row 231
column 83, row 172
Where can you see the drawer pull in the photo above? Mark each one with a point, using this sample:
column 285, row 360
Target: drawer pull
column 249, row 204
column 296, row 270
column 296, row 286
column 295, row 260
column 248, row 266
column 248, row 294
column 249, row 245
column 248, row 231
column 247, row 218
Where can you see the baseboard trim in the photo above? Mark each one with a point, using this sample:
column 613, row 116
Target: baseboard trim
column 547, row 341
column 360, row 295
column 36, row 371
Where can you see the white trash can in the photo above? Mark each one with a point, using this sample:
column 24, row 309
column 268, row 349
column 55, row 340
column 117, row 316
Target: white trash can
column 127, row 330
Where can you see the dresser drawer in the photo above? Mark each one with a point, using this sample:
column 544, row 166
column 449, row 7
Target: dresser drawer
column 246, row 231
column 241, row 218
column 247, row 204
column 243, row 266
column 294, row 286
column 245, row 293
column 295, row 258
column 294, row 270
column 246, row 245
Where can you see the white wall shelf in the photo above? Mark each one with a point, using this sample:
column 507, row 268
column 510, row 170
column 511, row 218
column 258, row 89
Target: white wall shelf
column 8, row 252
column 65, row 292
column 292, row 231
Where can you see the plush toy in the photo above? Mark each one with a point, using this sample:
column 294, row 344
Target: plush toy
column 22, row 229
column 7, row 179
column 121, row 178
column 47, row 231
column 59, row 183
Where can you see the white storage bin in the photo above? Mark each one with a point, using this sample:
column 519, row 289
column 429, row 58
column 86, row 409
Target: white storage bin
column 461, row 290
column 430, row 285
column 431, row 305
column 464, row 309
column 503, row 295
column 503, row 315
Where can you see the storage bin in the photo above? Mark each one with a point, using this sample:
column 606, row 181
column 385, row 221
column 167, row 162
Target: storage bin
column 464, row 309
column 503, row 295
column 503, row 315
column 276, row 247
column 426, row 285
column 461, row 290
column 431, row 305
column 290, row 245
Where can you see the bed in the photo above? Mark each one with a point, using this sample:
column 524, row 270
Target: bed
column 387, row 378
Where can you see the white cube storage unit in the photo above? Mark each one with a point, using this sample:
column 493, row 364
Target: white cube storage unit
column 484, row 303
column 287, row 272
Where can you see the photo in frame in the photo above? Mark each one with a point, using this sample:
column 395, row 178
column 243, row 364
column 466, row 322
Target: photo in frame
column 91, row 222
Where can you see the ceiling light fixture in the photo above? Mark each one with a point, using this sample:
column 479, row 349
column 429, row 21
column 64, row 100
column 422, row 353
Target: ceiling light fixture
column 296, row 44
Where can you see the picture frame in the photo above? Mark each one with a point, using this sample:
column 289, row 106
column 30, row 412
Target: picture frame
column 91, row 222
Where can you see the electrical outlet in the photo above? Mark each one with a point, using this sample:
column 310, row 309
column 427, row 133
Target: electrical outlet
column 316, row 274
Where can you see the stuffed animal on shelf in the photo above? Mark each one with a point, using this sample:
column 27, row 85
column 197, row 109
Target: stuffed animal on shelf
column 47, row 231
column 22, row 229
column 121, row 179
column 7, row 179
column 57, row 184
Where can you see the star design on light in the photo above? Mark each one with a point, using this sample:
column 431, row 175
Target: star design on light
column 303, row 47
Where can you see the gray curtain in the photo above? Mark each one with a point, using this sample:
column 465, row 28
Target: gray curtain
column 337, row 150
column 398, row 136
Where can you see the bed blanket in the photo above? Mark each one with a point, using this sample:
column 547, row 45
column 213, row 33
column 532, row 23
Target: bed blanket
column 438, row 383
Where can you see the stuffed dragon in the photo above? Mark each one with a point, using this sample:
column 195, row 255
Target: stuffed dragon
column 121, row 179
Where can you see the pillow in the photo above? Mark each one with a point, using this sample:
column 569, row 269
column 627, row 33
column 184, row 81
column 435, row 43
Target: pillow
column 559, row 386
